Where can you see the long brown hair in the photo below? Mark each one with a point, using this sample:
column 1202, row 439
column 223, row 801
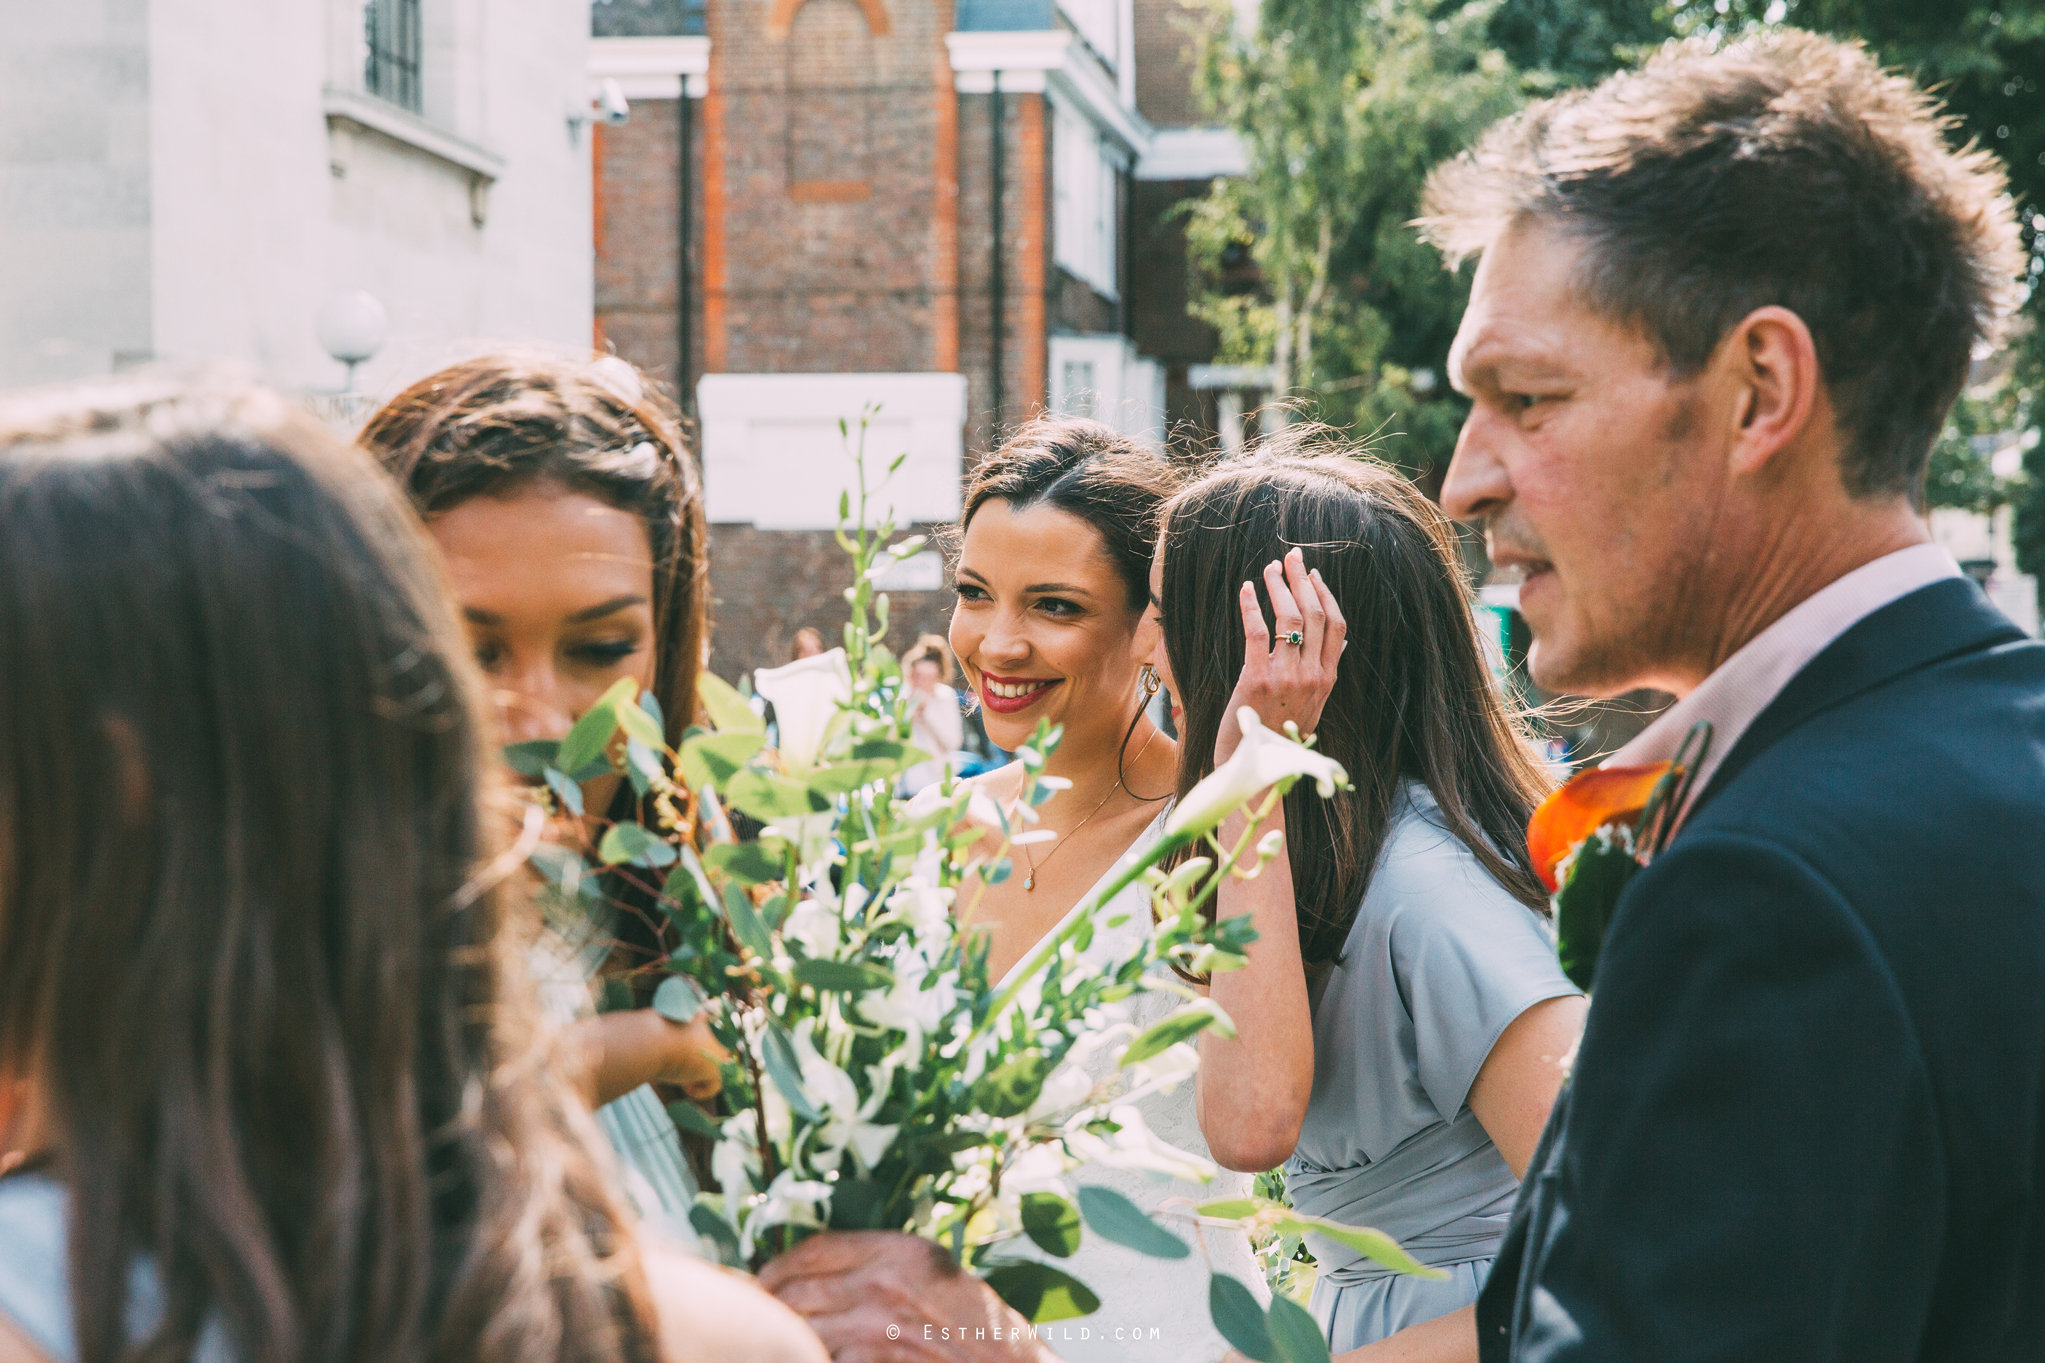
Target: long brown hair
column 496, row 424
column 249, row 955
column 1413, row 698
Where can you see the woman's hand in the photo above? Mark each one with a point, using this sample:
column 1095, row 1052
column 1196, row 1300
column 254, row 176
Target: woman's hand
column 1287, row 681
column 621, row 1051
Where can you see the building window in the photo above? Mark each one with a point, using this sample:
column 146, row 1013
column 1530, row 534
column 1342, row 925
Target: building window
column 391, row 70
column 1084, row 189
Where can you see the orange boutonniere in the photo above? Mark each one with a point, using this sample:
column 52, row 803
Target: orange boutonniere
column 1589, row 838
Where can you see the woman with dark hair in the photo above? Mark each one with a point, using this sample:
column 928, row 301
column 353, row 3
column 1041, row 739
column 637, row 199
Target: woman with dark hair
column 1403, row 1023
column 1053, row 571
column 570, row 518
column 274, row 1085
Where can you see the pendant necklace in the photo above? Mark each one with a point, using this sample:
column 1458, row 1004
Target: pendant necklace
column 1030, row 881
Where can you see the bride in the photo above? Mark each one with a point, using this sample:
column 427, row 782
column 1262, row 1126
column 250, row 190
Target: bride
column 1053, row 579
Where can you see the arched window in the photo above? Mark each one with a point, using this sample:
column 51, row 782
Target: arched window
column 834, row 98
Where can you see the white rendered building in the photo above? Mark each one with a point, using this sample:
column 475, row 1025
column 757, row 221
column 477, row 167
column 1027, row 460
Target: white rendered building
column 187, row 180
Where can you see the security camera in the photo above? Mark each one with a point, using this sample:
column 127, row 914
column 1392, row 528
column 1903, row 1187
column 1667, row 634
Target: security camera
column 608, row 107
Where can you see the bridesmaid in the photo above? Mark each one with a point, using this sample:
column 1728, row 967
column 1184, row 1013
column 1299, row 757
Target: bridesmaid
column 270, row 1083
column 571, row 523
column 1403, row 1023
column 1052, row 623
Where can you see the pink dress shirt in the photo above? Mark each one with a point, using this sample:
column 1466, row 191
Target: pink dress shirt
column 1734, row 696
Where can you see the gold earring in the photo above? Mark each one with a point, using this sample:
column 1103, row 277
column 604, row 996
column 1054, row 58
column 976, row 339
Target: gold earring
column 1151, row 681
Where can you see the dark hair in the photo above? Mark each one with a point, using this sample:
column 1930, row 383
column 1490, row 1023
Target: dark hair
column 1784, row 169
column 249, row 951
column 1086, row 470
column 491, row 426
column 1413, row 698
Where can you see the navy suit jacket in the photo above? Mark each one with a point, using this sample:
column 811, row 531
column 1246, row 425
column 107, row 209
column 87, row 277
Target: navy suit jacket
column 1807, row 1121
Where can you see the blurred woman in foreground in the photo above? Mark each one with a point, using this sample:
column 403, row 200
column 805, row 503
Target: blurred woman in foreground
column 269, row 1080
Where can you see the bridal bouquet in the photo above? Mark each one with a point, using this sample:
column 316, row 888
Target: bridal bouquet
column 881, row 1079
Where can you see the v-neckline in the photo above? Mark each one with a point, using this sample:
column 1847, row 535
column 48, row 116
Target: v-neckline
column 1080, row 903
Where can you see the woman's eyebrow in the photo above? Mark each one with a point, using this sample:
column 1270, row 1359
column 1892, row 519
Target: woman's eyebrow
column 603, row 608
column 1058, row 588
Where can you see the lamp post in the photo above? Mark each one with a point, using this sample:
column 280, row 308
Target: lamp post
column 351, row 325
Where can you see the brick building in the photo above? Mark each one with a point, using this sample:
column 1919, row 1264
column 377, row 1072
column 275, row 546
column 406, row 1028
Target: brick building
column 958, row 210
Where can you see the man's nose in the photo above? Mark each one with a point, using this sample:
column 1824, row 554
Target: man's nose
column 1476, row 484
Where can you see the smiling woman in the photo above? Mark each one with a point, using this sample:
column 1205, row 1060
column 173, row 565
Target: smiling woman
column 570, row 521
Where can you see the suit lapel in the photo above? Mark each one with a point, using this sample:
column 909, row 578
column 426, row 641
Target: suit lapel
column 1927, row 626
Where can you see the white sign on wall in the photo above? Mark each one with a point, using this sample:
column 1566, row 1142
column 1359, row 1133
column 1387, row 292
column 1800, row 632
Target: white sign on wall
column 773, row 455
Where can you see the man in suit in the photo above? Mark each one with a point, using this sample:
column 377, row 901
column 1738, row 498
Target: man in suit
column 1722, row 308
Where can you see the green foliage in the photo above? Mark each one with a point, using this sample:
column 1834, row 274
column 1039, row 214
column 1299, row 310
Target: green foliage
column 1040, row 1293
column 1114, row 1217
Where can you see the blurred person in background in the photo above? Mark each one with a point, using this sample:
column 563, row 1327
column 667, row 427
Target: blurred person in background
column 272, row 1085
column 937, row 723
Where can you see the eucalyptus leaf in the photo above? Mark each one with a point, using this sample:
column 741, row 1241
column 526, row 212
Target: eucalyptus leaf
column 566, row 791
column 746, row 924
column 586, row 742
column 642, row 764
column 1051, row 1222
column 533, row 757
column 679, row 999
column 1011, row 1087
column 768, row 796
column 634, row 843
column 750, row 863
column 1295, row 1333
column 726, row 708
column 1240, row 1319
column 650, row 703
column 844, row 977
column 1232, row 1208
column 713, row 759
column 638, row 724
column 1183, row 1025
column 1040, row 1293
column 778, row 1054
column 1114, row 1217
column 688, row 1117
column 708, row 1223
column 1372, row 1244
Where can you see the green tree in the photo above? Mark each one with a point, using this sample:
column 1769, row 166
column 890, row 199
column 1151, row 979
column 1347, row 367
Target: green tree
column 1343, row 122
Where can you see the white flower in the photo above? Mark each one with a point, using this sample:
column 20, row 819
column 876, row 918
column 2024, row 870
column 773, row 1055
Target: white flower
column 812, row 835
column 1136, row 1147
column 1163, row 1071
column 789, row 1201
column 1068, row 1087
column 1040, row 1168
column 1262, row 758
column 815, row 924
column 806, row 695
column 922, row 905
column 909, row 1007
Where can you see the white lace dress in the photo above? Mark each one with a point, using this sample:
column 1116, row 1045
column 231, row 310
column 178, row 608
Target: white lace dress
column 1152, row 1310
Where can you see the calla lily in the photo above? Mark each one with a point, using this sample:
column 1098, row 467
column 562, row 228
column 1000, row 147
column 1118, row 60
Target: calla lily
column 806, row 695
column 1135, row 1146
column 1263, row 758
column 1599, row 798
column 789, row 1201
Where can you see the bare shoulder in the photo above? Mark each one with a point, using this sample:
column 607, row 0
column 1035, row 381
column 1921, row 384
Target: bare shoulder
column 710, row 1314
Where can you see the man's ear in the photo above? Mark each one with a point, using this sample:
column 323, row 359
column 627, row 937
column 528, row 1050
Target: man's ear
column 1772, row 365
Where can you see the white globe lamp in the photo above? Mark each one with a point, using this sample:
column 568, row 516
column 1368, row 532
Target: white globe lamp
column 352, row 326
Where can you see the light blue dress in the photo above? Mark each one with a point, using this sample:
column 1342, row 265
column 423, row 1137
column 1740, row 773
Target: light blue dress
column 1439, row 961
column 35, row 1278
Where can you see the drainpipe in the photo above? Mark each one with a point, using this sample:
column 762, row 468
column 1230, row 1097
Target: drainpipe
column 996, row 283
column 685, row 360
